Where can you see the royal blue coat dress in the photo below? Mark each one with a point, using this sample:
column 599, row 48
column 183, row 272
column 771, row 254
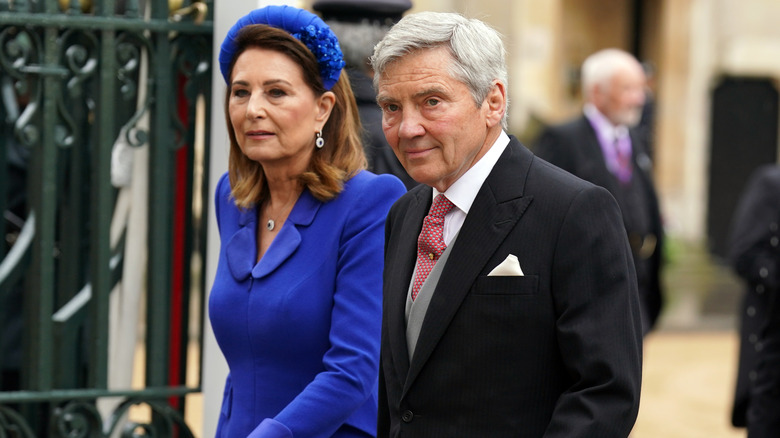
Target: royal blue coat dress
column 300, row 329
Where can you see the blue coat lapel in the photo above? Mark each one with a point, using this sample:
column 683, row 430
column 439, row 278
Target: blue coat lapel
column 244, row 241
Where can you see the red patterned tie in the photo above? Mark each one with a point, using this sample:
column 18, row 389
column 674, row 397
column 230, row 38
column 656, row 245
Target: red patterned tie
column 430, row 244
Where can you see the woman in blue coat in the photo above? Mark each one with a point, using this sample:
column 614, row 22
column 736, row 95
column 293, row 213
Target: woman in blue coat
column 296, row 301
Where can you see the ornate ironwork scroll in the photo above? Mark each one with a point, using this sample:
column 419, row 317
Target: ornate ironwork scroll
column 78, row 77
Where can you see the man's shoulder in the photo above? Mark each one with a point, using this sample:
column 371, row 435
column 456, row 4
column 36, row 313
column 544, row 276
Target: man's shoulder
column 556, row 142
column 765, row 178
column 770, row 172
column 540, row 177
column 548, row 177
column 413, row 195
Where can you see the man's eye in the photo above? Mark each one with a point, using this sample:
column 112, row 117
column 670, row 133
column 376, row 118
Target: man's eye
column 432, row 101
column 391, row 108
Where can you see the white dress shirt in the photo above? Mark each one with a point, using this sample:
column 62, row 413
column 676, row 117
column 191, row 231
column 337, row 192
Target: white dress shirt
column 463, row 191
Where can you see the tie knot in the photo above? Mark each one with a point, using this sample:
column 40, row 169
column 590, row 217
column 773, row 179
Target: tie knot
column 441, row 206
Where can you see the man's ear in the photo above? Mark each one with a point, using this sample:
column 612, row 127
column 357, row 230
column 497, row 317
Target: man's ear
column 495, row 104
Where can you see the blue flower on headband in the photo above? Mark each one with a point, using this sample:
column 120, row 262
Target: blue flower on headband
column 325, row 46
column 304, row 26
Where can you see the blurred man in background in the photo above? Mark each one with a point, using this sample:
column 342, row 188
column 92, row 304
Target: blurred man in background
column 602, row 147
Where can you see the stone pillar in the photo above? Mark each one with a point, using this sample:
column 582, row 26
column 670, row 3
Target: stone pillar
column 685, row 68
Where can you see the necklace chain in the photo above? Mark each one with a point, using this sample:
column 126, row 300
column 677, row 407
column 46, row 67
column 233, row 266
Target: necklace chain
column 271, row 224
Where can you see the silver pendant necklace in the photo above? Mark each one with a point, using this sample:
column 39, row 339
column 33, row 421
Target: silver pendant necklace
column 271, row 224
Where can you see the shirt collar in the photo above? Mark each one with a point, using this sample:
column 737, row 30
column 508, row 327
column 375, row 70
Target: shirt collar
column 602, row 124
column 463, row 191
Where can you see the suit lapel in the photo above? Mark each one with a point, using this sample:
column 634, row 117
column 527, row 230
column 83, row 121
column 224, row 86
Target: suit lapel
column 496, row 209
column 400, row 269
column 600, row 173
column 640, row 161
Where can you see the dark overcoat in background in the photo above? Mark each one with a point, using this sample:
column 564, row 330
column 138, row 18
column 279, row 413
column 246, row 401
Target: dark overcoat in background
column 754, row 252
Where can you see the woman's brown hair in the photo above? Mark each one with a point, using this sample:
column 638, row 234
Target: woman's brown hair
column 341, row 157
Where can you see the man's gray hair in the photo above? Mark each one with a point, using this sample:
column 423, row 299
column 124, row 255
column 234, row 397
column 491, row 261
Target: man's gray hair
column 600, row 67
column 478, row 53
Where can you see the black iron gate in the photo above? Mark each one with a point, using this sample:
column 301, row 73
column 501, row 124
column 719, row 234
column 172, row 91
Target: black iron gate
column 102, row 177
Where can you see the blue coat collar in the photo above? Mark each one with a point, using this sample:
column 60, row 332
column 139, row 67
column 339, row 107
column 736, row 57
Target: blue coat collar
column 241, row 249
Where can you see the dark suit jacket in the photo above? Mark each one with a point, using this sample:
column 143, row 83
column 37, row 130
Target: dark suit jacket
column 754, row 252
column 554, row 353
column 574, row 147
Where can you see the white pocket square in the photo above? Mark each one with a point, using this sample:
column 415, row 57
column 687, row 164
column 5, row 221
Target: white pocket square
column 509, row 267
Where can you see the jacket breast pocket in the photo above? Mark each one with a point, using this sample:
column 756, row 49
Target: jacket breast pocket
column 507, row 285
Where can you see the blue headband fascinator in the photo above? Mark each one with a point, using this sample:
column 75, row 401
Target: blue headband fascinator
column 301, row 24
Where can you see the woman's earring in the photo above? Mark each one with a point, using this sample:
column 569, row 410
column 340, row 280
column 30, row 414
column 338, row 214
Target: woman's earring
column 319, row 142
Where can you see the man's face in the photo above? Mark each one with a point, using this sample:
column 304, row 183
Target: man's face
column 431, row 120
column 622, row 100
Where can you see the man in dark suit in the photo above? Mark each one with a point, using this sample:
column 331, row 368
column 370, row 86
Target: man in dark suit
column 602, row 147
column 510, row 301
column 754, row 252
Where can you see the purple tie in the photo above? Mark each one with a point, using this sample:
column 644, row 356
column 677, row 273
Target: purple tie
column 623, row 155
column 430, row 244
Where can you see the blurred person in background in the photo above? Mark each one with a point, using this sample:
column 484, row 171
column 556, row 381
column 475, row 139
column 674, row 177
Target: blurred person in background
column 754, row 252
column 359, row 25
column 603, row 147
column 296, row 301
